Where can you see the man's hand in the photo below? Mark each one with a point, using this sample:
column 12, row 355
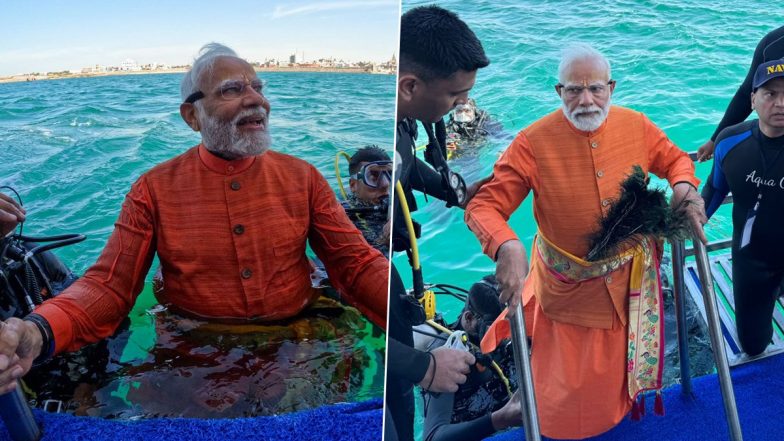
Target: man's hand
column 705, row 151
column 511, row 269
column 473, row 188
column 509, row 415
column 10, row 214
column 686, row 199
column 383, row 239
column 450, row 370
column 20, row 344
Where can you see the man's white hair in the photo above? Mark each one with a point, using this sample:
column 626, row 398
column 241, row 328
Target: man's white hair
column 205, row 61
column 579, row 52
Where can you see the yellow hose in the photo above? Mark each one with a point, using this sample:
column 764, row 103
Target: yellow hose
column 409, row 225
column 494, row 365
column 337, row 171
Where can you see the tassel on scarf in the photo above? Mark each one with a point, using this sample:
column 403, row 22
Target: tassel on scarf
column 636, row 411
column 658, row 407
column 642, row 404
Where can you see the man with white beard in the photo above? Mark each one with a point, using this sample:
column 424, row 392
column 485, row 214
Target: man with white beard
column 578, row 313
column 229, row 221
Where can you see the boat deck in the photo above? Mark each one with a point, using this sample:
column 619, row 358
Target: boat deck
column 721, row 269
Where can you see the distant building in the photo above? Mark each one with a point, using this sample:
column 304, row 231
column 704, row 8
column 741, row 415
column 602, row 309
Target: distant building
column 129, row 65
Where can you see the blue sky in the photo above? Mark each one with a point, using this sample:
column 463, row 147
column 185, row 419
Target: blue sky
column 53, row 35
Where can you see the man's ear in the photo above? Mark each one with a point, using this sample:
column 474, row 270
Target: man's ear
column 407, row 85
column 188, row 114
column 752, row 101
column 352, row 185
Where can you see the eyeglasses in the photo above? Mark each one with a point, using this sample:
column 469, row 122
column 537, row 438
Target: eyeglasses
column 374, row 172
column 230, row 90
column 597, row 90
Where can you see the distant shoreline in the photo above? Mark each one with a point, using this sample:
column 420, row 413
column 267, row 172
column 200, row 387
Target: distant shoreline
column 298, row 69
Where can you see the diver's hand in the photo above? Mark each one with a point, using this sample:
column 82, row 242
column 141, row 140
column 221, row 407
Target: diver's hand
column 686, row 199
column 450, row 370
column 511, row 269
column 383, row 239
column 473, row 188
column 509, row 415
column 10, row 214
column 20, row 344
column 705, row 151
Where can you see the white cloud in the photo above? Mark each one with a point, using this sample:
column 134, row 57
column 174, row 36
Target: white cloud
column 284, row 11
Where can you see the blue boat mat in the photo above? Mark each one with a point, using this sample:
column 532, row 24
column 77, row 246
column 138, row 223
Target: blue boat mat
column 350, row 421
column 758, row 393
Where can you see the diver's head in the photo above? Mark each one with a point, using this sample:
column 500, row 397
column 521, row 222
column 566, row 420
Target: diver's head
column 482, row 307
column 767, row 97
column 223, row 99
column 439, row 57
column 465, row 113
column 371, row 174
column 584, row 86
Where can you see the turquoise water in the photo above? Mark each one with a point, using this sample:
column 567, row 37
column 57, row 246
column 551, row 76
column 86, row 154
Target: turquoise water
column 678, row 62
column 72, row 148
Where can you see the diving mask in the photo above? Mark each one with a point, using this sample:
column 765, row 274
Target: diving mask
column 373, row 173
column 463, row 113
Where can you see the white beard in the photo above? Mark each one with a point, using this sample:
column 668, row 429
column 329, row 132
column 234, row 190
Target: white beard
column 225, row 139
column 587, row 119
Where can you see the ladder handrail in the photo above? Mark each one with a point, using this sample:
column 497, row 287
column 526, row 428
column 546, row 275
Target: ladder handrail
column 525, row 380
column 717, row 341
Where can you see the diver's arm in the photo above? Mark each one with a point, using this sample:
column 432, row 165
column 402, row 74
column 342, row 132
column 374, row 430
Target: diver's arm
column 716, row 186
column 93, row 306
column 405, row 362
column 438, row 414
column 740, row 106
column 427, row 180
column 358, row 270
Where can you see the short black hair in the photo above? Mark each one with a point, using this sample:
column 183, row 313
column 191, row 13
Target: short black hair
column 368, row 153
column 435, row 43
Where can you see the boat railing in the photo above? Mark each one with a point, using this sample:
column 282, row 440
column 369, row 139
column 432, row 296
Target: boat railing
column 700, row 252
column 525, row 380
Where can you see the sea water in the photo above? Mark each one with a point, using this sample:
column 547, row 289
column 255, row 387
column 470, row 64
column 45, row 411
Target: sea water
column 678, row 62
column 73, row 147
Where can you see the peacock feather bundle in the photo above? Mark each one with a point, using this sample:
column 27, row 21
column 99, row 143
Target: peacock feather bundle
column 638, row 212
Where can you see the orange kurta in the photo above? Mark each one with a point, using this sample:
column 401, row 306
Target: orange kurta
column 578, row 330
column 231, row 239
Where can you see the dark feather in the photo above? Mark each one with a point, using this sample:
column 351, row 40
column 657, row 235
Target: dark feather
column 638, row 212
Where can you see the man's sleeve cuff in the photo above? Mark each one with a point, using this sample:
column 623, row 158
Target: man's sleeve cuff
column 60, row 324
column 688, row 178
column 496, row 241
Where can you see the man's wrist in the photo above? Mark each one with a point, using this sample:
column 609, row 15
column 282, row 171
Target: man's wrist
column 47, row 337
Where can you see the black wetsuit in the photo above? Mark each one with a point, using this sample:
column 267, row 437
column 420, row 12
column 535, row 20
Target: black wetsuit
column 369, row 223
column 771, row 47
column 465, row 415
column 749, row 164
column 406, row 366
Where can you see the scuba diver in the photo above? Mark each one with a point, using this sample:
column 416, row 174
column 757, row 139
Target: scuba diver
column 468, row 127
column 368, row 203
column 430, row 83
column 484, row 404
